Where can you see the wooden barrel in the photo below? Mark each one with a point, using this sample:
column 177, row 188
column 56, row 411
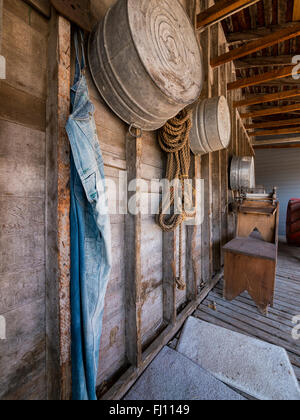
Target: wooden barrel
column 211, row 129
column 242, row 174
column 146, row 62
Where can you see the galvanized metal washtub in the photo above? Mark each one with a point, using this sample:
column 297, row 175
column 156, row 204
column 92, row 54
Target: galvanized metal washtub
column 242, row 173
column 211, row 129
column 146, row 62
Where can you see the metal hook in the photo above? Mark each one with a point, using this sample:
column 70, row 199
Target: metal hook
column 138, row 134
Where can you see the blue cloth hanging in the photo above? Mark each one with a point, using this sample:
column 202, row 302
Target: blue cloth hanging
column 90, row 237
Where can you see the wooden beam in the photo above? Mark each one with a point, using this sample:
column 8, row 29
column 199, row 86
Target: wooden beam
column 77, row 12
column 58, row 313
column 271, row 111
column 296, row 11
column 222, row 10
column 169, row 284
column 278, row 146
column 254, row 34
column 257, row 62
column 263, row 78
column 275, row 132
column 1, row 24
column 270, row 124
column 133, row 266
column 192, row 270
column 42, row 6
column 276, row 141
column 267, row 98
column 284, row 82
column 252, row 47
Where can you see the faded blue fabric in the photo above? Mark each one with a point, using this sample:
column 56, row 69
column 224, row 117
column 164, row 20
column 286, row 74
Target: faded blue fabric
column 90, row 238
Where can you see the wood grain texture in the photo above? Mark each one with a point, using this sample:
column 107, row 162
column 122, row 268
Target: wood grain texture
column 133, row 257
column 276, row 132
column 259, row 99
column 271, row 124
column 22, row 207
column 272, row 75
column 221, row 10
column 42, row 6
column 260, row 62
column 271, row 111
column 22, row 362
column 265, row 42
column 58, row 205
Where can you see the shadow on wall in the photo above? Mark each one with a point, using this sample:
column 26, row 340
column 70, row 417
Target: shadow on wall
column 280, row 168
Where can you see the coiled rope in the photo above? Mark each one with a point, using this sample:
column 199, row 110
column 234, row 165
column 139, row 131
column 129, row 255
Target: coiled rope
column 175, row 141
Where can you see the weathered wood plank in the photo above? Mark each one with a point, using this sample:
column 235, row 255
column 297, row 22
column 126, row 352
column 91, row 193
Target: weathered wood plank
column 271, row 111
column 22, row 362
column 260, row 99
column 263, row 78
column 296, row 11
column 257, row 62
column 1, row 24
column 275, row 132
column 58, row 205
column 22, row 108
column 25, row 51
column 270, row 124
column 42, row 6
column 265, row 42
column 222, row 10
column 133, row 256
column 254, row 34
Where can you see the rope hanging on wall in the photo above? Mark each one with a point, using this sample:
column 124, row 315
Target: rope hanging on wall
column 174, row 140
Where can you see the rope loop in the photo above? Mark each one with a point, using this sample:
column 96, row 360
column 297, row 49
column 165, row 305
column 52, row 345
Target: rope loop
column 174, row 139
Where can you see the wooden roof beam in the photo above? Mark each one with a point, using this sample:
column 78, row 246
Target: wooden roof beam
column 271, row 111
column 252, row 47
column 276, row 141
column 270, row 124
column 254, row 34
column 277, row 146
column 255, row 62
column 260, row 99
column 275, row 132
column 296, row 11
column 42, row 6
column 222, row 10
column 263, row 78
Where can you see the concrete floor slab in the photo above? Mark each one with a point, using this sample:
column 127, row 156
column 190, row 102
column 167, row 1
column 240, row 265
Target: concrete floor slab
column 172, row 376
column 254, row 367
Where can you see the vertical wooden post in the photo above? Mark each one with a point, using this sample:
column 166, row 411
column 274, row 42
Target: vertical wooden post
column 1, row 23
column 206, row 164
column 1, row 31
column 216, row 174
column 169, row 284
column 224, row 165
column 192, row 273
column 58, row 336
column 133, row 270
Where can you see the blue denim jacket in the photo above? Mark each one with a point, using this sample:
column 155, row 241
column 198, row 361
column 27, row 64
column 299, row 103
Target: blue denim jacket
column 90, row 238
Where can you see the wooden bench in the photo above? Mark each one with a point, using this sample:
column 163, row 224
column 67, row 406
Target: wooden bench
column 251, row 258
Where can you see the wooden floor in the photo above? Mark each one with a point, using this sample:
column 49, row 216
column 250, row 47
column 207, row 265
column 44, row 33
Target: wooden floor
column 242, row 316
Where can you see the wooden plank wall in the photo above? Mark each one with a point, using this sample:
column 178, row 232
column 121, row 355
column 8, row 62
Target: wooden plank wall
column 157, row 249
column 22, row 202
column 22, row 216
